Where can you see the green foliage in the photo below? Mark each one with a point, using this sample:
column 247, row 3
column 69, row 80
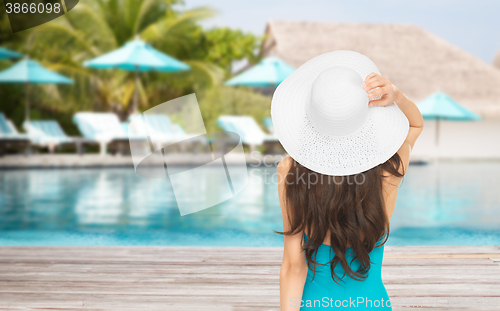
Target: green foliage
column 225, row 100
column 95, row 27
column 223, row 45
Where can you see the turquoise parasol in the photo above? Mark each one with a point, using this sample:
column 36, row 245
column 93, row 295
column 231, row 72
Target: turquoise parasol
column 440, row 106
column 8, row 54
column 269, row 72
column 137, row 56
column 28, row 71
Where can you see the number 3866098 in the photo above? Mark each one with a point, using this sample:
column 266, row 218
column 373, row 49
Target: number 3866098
column 32, row 7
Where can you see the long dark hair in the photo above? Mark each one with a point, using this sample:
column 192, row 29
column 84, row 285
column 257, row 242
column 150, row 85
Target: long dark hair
column 350, row 209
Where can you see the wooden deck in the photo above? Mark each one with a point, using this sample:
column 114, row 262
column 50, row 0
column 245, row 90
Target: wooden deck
column 240, row 279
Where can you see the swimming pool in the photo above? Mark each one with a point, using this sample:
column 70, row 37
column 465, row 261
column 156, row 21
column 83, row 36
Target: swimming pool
column 455, row 203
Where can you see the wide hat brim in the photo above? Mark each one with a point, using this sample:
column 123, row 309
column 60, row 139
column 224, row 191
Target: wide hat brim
column 375, row 142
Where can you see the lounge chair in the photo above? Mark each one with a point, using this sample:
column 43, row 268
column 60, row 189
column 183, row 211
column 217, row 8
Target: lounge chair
column 248, row 130
column 49, row 134
column 103, row 128
column 268, row 123
column 125, row 126
column 161, row 130
column 10, row 137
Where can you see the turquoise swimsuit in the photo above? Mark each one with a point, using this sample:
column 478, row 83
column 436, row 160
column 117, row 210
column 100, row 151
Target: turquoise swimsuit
column 323, row 293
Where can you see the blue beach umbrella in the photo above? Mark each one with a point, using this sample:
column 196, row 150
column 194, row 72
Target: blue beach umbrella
column 8, row 54
column 440, row 106
column 269, row 72
column 137, row 56
column 28, row 71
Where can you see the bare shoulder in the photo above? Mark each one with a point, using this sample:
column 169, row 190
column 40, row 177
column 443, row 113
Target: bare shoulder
column 391, row 180
column 284, row 165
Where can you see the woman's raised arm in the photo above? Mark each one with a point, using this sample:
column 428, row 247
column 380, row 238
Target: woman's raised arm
column 391, row 94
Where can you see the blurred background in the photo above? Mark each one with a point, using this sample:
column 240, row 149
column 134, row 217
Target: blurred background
column 69, row 88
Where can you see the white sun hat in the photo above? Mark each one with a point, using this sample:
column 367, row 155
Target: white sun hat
column 322, row 119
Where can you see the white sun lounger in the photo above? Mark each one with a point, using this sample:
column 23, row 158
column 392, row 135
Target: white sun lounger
column 160, row 130
column 103, row 128
column 268, row 123
column 10, row 137
column 48, row 133
column 248, row 130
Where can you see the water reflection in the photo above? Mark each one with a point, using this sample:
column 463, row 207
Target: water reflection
column 101, row 200
column 453, row 204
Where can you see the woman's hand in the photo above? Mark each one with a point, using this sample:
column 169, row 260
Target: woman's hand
column 386, row 91
column 389, row 94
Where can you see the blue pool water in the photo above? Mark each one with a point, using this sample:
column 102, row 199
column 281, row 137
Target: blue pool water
column 449, row 204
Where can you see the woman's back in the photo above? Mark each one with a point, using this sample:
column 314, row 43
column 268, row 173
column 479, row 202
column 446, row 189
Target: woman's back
column 339, row 119
column 321, row 291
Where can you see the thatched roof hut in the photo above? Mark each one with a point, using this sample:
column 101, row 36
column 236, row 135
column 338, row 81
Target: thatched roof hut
column 415, row 60
column 496, row 60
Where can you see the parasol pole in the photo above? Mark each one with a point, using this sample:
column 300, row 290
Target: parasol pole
column 27, row 97
column 436, row 159
column 437, row 131
column 136, row 77
column 27, row 110
column 136, row 93
column 437, row 139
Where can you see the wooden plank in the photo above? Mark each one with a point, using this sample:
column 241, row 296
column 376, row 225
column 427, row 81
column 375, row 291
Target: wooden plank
column 214, row 251
column 437, row 261
column 146, row 280
column 442, row 250
column 436, row 256
column 187, row 278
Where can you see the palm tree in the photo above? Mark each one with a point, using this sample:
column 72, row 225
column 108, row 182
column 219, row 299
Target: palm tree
column 95, row 27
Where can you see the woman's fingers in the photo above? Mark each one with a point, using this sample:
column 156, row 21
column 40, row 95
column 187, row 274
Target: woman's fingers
column 373, row 83
column 372, row 76
column 377, row 92
column 379, row 87
column 384, row 101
